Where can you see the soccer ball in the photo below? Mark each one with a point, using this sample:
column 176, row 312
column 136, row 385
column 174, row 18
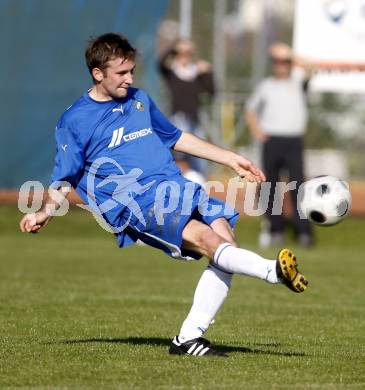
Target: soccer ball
column 325, row 200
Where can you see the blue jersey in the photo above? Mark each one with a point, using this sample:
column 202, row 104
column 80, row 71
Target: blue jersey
column 120, row 135
column 116, row 154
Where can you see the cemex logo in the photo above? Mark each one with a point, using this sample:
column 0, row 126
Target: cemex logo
column 118, row 136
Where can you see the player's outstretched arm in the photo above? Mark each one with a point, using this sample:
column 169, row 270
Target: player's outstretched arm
column 32, row 223
column 191, row 144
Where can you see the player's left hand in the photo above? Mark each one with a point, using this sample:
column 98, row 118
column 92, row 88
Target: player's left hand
column 247, row 169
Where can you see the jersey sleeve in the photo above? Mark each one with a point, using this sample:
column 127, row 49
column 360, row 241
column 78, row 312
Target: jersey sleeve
column 166, row 131
column 69, row 161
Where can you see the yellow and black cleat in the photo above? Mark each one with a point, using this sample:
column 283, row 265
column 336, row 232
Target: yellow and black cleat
column 286, row 267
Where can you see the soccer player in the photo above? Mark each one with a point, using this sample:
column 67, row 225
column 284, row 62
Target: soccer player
column 113, row 135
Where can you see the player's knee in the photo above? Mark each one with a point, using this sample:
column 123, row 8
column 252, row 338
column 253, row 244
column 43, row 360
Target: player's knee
column 233, row 242
column 230, row 239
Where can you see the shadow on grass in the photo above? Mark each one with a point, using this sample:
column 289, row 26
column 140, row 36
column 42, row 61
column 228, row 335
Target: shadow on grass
column 162, row 342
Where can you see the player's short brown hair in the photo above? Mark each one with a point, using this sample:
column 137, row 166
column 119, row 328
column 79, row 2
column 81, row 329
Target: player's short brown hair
column 107, row 47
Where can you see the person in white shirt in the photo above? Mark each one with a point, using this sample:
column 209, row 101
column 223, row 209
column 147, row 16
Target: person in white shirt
column 276, row 114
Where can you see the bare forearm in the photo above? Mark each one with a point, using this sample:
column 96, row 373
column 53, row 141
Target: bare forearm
column 191, row 144
column 55, row 199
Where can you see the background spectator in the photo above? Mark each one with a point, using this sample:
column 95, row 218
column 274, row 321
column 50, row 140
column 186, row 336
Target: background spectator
column 277, row 117
column 187, row 80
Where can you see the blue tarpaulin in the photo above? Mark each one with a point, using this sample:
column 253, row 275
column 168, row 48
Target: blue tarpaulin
column 43, row 70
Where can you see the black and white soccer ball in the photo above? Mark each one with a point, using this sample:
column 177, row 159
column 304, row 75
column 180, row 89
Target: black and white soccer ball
column 325, row 200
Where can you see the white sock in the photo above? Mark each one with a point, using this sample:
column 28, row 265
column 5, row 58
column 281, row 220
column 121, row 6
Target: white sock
column 210, row 293
column 244, row 262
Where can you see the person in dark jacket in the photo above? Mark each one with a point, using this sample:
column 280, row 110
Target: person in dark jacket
column 188, row 80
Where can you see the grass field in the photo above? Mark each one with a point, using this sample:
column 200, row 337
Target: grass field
column 77, row 312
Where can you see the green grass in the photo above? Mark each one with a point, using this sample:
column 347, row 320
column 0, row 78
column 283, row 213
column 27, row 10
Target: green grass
column 77, row 312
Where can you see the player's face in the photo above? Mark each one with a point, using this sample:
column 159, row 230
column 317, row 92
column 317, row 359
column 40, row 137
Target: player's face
column 118, row 77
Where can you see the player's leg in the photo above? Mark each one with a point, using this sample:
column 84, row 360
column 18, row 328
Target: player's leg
column 229, row 257
column 211, row 291
column 224, row 254
column 213, row 286
column 224, row 230
column 285, row 263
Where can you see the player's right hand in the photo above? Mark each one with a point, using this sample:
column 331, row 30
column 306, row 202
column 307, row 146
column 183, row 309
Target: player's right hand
column 31, row 223
column 247, row 170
